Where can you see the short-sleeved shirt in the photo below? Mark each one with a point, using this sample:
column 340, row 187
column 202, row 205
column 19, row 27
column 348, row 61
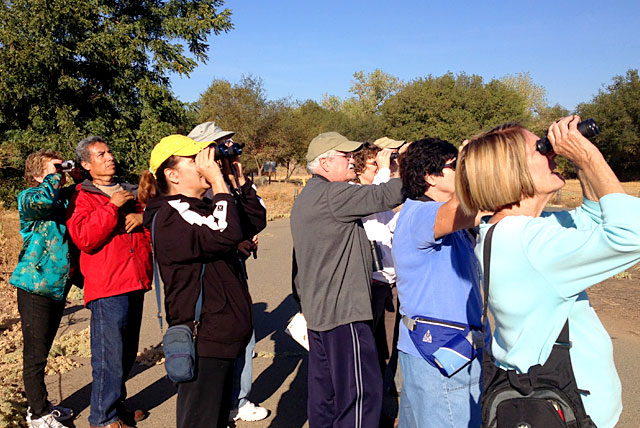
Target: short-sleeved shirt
column 436, row 278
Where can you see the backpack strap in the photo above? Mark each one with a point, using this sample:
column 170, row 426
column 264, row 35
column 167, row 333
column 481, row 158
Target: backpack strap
column 486, row 262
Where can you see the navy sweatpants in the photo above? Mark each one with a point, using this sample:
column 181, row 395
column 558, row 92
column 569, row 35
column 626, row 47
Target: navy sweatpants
column 345, row 384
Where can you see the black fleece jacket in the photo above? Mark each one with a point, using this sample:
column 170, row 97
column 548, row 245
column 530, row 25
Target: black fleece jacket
column 191, row 232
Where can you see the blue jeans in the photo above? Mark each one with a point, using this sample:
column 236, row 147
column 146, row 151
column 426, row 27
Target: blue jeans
column 430, row 399
column 115, row 331
column 242, row 375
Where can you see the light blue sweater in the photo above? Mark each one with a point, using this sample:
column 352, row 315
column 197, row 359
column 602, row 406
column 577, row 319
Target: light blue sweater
column 540, row 269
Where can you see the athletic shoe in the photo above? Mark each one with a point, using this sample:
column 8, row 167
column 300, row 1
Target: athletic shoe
column 61, row 413
column 249, row 412
column 46, row 421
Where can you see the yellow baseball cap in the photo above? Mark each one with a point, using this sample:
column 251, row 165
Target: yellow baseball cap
column 178, row 145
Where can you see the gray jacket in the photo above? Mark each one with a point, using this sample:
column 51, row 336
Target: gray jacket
column 332, row 256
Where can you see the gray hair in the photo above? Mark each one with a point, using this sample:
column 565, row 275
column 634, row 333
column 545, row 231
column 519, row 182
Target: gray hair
column 82, row 149
column 313, row 166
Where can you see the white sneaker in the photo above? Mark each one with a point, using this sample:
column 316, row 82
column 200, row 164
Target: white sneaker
column 46, row 421
column 60, row 413
column 249, row 412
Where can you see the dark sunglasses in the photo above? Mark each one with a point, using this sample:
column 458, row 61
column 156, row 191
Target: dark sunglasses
column 451, row 165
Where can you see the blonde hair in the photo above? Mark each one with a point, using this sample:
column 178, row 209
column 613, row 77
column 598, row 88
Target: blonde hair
column 492, row 170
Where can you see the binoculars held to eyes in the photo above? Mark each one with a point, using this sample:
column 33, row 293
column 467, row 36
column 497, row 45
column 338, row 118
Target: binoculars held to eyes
column 223, row 151
column 66, row 166
column 588, row 128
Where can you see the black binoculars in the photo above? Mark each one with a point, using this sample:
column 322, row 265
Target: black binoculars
column 588, row 128
column 223, row 151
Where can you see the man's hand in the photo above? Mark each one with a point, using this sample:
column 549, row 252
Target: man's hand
column 131, row 221
column 232, row 168
column 120, row 198
column 247, row 247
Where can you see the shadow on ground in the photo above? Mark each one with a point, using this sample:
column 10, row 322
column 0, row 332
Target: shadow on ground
column 291, row 411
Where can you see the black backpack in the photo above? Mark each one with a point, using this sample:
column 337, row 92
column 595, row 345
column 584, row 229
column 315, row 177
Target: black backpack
column 547, row 396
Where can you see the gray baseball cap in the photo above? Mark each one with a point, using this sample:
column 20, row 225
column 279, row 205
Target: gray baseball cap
column 388, row 143
column 330, row 141
column 208, row 132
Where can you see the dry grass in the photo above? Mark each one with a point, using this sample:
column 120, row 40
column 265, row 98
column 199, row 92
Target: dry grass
column 279, row 197
column 571, row 194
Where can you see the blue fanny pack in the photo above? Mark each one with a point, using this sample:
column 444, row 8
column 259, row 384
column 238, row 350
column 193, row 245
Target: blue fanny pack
column 446, row 345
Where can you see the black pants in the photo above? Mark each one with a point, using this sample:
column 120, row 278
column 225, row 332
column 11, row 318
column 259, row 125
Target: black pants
column 40, row 318
column 205, row 401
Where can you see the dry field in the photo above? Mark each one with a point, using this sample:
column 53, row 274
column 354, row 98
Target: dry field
column 619, row 296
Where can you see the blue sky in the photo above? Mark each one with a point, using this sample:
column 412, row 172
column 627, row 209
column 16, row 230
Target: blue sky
column 303, row 49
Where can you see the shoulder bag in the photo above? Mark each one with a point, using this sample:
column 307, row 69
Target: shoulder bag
column 179, row 342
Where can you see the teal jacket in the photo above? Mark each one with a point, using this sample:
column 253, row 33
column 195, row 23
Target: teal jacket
column 43, row 264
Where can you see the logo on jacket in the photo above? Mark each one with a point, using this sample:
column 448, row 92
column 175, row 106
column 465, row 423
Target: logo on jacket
column 427, row 337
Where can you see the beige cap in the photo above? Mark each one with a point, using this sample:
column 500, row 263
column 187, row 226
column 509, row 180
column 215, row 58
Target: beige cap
column 388, row 143
column 330, row 141
column 208, row 132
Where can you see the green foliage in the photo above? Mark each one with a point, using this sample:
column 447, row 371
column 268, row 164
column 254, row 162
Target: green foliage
column 616, row 109
column 242, row 108
column 72, row 68
column 523, row 84
column 451, row 107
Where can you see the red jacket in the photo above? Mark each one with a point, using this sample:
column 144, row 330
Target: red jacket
column 112, row 261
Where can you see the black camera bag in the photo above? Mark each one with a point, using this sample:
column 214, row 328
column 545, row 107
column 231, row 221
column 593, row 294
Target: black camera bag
column 547, row 396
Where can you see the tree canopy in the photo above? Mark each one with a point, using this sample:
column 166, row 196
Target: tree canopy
column 451, row 107
column 616, row 110
column 72, row 68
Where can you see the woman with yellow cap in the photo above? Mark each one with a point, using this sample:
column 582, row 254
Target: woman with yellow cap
column 192, row 232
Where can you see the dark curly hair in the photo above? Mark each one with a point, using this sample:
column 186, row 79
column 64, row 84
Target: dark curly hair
column 425, row 156
column 366, row 152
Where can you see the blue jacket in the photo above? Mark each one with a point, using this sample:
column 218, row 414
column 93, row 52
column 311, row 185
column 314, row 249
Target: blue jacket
column 43, row 266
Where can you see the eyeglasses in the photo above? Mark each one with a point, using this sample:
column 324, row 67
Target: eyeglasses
column 344, row 155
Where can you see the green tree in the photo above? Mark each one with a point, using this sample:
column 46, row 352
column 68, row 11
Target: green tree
column 523, row 84
column 243, row 108
column 616, row 109
column 371, row 90
column 72, row 68
column 451, row 107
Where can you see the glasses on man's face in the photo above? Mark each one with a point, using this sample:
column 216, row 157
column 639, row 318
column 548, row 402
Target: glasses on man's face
column 344, row 155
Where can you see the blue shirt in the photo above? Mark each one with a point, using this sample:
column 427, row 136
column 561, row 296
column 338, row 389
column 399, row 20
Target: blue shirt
column 436, row 278
column 540, row 269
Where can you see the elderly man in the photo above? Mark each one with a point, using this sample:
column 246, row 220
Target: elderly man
column 104, row 223
column 332, row 276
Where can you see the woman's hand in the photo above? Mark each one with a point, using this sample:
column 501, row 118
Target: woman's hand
column 596, row 176
column 567, row 141
column 208, row 167
column 383, row 158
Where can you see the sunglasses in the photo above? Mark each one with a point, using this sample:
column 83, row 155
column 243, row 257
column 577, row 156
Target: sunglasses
column 451, row 165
